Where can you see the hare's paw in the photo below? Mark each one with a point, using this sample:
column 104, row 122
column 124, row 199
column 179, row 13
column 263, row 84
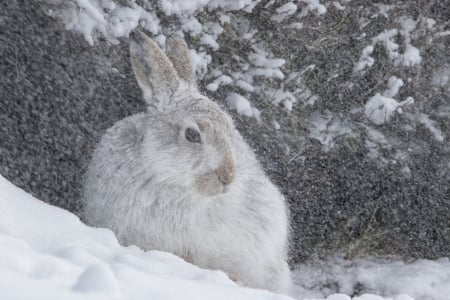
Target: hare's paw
column 235, row 278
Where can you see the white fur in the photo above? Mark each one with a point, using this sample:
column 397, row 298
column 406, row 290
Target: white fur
column 157, row 190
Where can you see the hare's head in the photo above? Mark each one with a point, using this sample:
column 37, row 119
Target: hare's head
column 190, row 138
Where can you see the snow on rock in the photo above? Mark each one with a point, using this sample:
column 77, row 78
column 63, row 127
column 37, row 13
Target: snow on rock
column 441, row 77
column 178, row 7
column 244, row 85
column 376, row 141
column 379, row 109
column 365, row 60
column 221, row 80
column 383, row 9
column 326, row 128
column 192, row 25
column 284, row 11
column 47, row 253
column 112, row 19
column 245, row 5
column 425, row 120
column 260, row 58
column 313, row 5
column 297, row 25
column 387, row 39
column 266, row 67
column 410, row 55
column 93, row 17
column 242, row 105
column 209, row 41
column 184, row 7
column 200, row 61
column 338, row 5
column 393, row 86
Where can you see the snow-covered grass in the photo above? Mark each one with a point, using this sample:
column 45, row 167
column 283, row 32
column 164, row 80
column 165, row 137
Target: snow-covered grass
column 48, row 253
column 262, row 75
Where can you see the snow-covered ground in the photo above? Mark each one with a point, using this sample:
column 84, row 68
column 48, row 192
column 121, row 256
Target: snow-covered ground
column 48, row 253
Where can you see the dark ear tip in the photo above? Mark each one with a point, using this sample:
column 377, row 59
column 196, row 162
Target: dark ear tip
column 137, row 36
column 173, row 36
column 174, row 39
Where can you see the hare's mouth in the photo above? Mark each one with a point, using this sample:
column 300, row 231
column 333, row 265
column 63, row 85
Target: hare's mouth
column 211, row 184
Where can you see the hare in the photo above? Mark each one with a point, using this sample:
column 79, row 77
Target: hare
column 180, row 178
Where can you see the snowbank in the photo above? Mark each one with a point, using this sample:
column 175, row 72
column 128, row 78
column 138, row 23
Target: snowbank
column 47, row 253
column 390, row 278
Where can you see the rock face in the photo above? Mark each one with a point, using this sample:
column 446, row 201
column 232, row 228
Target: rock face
column 58, row 95
column 355, row 184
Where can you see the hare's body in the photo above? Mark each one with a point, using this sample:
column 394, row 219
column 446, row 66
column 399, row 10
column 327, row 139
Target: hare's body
column 205, row 199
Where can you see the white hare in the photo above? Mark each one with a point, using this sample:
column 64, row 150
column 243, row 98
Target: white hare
column 180, row 178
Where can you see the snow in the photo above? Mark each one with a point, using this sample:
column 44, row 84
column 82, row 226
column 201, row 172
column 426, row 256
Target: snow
column 374, row 141
column 441, row 77
column 244, row 85
column 200, row 61
column 209, row 41
column 97, row 278
column 382, row 278
column 111, row 20
column 297, row 25
column 411, row 54
column 380, row 108
column 393, row 86
column 315, row 5
column 93, row 17
column 260, row 58
column 338, row 5
column 284, row 11
column 443, row 33
column 221, row 80
column 242, row 105
column 326, row 128
column 192, row 25
column 289, row 9
column 431, row 126
column 179, row 7
column 224, row 19
column 384, row 9
column 48, row 253
column 365, row 60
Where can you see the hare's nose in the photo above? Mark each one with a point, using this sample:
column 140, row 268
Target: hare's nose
column 225, row 173
column 226, row 179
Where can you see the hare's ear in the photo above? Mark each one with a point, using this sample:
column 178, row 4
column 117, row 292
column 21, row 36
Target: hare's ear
column 178, row 52
column 154, row 71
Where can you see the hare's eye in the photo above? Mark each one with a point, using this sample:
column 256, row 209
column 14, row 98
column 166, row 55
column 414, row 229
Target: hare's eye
column 192, row 135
